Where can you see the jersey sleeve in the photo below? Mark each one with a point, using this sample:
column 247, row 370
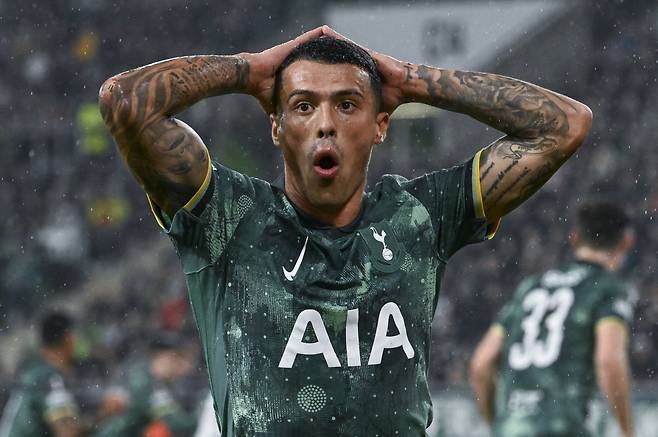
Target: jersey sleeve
column 204, row 226
column 453, row 199
column 615, row 305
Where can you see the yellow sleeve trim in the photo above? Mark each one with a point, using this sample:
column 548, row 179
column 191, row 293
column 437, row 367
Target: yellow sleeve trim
column 59, row 414
column 202, row 189
column 155, row 209
column 614, row 320
column 498, row 328
column 477, row 197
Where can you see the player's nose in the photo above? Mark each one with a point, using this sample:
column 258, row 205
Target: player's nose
column 326, row 124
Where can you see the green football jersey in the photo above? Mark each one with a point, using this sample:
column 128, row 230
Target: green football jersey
column 546, row 373
column 316, row 330
column 41, row 398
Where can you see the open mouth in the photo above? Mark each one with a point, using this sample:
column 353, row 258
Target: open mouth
column 325, row 163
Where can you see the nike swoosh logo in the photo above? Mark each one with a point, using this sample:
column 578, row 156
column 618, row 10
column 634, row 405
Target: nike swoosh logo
column 290, row 275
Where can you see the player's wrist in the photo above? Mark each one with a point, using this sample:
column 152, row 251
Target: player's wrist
column 248, row 83
column 414, row 88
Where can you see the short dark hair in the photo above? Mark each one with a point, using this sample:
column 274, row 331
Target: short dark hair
column 54, row 328
column 328, row 50
column 601, row 224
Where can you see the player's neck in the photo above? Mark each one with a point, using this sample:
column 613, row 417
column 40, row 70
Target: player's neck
column 608, row 260
column 338, row 217
column 57, row 358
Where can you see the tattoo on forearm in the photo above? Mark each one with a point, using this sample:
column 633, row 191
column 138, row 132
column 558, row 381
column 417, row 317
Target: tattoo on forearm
column 142, row 95
column 509, row 105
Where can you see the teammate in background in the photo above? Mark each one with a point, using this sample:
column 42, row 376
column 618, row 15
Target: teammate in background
column 152, row 408
column 535, row 370
column 314, row 300
column 43, row 404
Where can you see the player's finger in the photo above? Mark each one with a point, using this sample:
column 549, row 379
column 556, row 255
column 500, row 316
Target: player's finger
column 328, row 31
column 307, row 36
column 286, row 47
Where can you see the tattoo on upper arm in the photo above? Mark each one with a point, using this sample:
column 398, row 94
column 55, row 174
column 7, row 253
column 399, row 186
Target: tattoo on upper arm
column 534, row 119
column 509, row 178
column 138, row 107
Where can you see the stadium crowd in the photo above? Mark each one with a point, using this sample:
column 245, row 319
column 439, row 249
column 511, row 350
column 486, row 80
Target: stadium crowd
column 77, row 232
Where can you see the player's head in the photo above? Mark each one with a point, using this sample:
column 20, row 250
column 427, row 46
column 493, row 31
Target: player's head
column 327, row 99
column 328, row 50
column 168, row 361
column 57, row 332
column 603, row 226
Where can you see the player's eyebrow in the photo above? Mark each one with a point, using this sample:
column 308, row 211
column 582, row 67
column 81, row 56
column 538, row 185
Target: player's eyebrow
column 313, row 94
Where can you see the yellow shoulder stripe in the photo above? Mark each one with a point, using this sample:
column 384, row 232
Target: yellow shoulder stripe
column 612, row 319
column 59, row 413
column 202, row 189
column 155, row 209
column 477, row 196
column 498, row 328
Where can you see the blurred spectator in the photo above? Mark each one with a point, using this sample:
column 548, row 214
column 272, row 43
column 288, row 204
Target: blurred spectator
column 43, row 403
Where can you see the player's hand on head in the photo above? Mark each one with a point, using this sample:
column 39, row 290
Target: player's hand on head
column 393, row 73
column 263, row 65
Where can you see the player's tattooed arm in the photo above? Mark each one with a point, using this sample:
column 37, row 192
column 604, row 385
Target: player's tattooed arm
column 543, row 128
column 166, row 156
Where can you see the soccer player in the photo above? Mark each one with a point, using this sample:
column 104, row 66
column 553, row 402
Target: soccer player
column 535, row 370
column 151, row 402
column 314, row 299
column 43, row 404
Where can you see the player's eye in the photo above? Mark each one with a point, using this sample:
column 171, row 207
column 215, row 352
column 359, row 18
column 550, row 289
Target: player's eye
column 303, row 107
column 347, row 105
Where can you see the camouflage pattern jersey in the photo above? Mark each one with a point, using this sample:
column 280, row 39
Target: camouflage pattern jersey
column 311, row 330
column 42, row 398
column 546, row 371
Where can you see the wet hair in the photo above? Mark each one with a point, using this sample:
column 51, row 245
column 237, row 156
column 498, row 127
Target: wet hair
column 328, row 50
column 601, row 224
column 54, row 328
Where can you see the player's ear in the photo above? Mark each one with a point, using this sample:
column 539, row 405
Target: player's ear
column 382, row 120
column 574, row 238
column 276, row 127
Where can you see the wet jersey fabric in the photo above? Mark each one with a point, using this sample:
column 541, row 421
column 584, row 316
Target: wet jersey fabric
column 546, row 372
column 41, row 398
column 312, row 330
column 149, row 401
